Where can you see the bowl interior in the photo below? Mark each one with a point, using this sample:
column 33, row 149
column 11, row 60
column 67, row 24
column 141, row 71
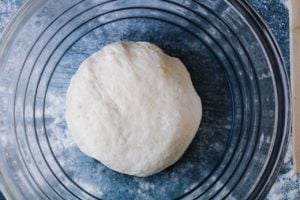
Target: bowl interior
column 207, row 149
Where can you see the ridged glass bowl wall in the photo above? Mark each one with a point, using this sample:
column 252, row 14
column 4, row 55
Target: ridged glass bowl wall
column 235, row 67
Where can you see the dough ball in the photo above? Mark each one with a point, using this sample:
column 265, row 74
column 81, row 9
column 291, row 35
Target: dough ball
column 133, row 108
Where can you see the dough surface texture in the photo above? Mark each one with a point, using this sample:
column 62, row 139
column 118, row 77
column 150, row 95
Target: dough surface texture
column 133, row 108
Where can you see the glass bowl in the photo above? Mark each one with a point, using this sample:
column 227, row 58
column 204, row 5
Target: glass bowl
column 235, row 66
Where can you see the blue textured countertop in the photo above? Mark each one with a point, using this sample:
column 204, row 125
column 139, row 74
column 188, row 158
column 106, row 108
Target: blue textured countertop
column 275, row 13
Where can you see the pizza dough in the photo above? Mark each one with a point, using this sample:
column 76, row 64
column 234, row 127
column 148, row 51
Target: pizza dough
column 133, row 108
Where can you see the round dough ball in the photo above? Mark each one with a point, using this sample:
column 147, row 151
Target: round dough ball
column 133, row 108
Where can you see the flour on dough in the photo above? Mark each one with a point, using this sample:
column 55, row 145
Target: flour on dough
column 133, row 108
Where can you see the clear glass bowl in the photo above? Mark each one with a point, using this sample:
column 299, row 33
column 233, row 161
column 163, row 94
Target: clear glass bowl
column 235, row 66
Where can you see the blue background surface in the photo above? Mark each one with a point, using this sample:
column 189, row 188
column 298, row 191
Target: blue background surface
column 275, row 14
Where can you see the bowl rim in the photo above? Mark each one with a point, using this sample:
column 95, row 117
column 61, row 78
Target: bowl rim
column 282, row 140
column 15, row 23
